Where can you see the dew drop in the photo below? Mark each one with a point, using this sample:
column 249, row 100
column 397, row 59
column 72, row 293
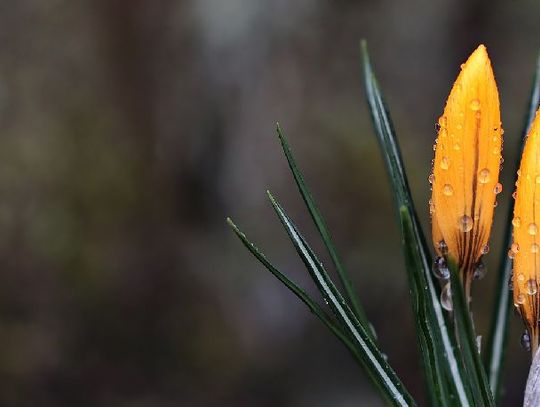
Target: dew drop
column 431, row 207
column 442, row 122
column 479, row 271
column 521, row 277
column 465, row 223
column 520, row 299
column 535, row 248
column 431, row 178
column 475, row 104
column 514, row 247
column 443, row 247
column 495, row 151
column 445, row 163
column 446, row 297
column 514, row 194
column 462, row 66
column 448, row 190
column 511, row 254
column 483, row 176
column 532, row 287
column 457, row 147
column 440, row 268
column 516, row 222
column 502, row 131
column 525, row 341
column 532, row 229
column 485, row 249
column 498, row 188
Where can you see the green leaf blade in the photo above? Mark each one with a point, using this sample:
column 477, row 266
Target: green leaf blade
column 467, row 341
column 498, row 336
column 313, row 306
column 323, row 231
column 440, row 353
column 382, row 375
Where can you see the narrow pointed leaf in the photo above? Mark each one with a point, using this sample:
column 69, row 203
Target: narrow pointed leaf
column 441, row 343
column 323, row 231
column 313, row 306
column 437, row 387
column 502, row 306
column 382, row 375
column 467, row 342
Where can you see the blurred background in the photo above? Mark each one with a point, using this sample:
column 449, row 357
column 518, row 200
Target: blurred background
column 130, row 130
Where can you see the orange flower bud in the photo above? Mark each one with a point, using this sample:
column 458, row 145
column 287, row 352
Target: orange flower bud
column 465, row 177
column 525, row 249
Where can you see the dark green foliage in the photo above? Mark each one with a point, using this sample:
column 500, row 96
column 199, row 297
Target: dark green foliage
column 452, row 365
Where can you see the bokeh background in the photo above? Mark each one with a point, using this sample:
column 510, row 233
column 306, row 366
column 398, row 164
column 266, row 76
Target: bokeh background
column 129, row 130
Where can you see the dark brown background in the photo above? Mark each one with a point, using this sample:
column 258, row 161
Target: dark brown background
column 129, row 130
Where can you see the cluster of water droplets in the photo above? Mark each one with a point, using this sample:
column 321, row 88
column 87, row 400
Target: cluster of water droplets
column 465, row 222
column 531, row 285
column 442, row 273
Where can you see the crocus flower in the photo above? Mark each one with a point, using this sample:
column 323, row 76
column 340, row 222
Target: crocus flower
column 466, row 170
column 525, row 249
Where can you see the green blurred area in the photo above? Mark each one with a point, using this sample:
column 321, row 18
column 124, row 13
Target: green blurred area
column 130, row 130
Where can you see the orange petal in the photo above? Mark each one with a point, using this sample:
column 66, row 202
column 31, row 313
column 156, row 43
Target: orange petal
column 526, row 246
column 466, row 165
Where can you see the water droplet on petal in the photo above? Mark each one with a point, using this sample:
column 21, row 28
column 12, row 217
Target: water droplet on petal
column 448, row 190
column 532, row 287
column 495, row 150
column 514, row 247
column 516, row 222
column 442, row 122
column 465, row 223
column 535, row 248
column 483, row 176
column 532, row 229
column 514, row 194
column 520, row 299
column 457, row 147
column 521, row 277
column 445, row 163
column 431, row 178
column 498, row 188
column 485, row 249
column 475, row 104
column 443, row 247
column 440, row 268
column 511, row 254
column 446, row 297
